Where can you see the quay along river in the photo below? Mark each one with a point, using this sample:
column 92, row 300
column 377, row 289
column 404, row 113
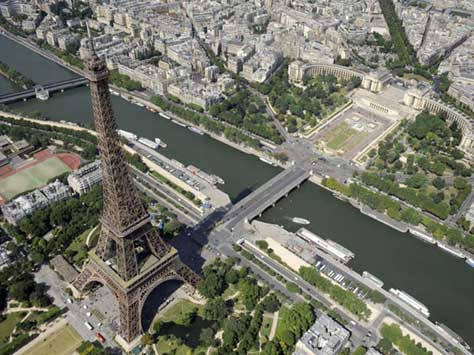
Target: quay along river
column 443, row 283
column 30, row 64
column 7, row 86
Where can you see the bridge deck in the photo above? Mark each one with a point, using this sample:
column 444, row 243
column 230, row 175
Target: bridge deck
column 52, row 87
column 266, row 195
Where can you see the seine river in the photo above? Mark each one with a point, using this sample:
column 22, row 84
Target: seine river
column 442, row 282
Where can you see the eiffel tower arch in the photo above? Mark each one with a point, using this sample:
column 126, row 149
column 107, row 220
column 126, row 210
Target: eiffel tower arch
column 131, row 298
column 130, row 258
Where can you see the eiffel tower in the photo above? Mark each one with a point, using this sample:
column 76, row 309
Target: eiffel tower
column 130, row 258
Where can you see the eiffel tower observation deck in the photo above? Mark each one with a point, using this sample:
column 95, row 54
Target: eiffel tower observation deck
column 130, row 258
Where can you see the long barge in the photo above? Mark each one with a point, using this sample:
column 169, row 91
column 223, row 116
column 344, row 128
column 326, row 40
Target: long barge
column 327, row 245
column 179, row 123
column 424, row 237
column 375, row 280
column 451, row 251
column 411, row 301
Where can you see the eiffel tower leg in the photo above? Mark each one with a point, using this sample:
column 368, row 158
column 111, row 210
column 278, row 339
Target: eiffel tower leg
column 158, row 247
column 83, row 279
column 126, row 259
column 187, row 274
column 104, row 249
column 130, row 327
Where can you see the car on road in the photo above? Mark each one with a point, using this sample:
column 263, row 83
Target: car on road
column 100, row 337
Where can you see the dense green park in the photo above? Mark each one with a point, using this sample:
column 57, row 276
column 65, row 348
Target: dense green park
column 426, row 151
column 393, row 334
column 248, row 111
column 232, row 318
column 303, row 107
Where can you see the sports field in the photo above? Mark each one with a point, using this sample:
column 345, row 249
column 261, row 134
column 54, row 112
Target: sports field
column 61, row 342
column 32, row 177
column 339, row 136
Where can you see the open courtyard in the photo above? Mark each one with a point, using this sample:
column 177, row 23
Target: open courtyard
column 351, row 131
column 62, row 341
column 32, row 177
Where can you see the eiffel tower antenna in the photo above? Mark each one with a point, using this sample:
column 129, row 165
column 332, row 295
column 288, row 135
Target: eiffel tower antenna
column 91, row 40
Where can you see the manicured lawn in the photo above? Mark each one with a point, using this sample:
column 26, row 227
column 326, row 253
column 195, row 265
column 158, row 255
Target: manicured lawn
column 176, row 312
column 355, row 140
column 283, row 314
column 266, row 325
column 415, row 76
column 78, row 249
column 79, row 241
column 167, row 346
column 7, row 326
column 32, row 178
column 174, row 327
column 338, row 136
column 61, row 342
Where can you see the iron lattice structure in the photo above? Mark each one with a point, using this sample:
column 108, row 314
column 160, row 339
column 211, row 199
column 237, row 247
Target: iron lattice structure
column 130, row 258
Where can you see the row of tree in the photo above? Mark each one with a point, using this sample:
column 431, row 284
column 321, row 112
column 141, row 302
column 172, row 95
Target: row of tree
column 406, row 52
column 40, row 136
column 214, row 126
column 345, row 298
column 383, row 203
column 124, row 81
column 410, row 195
column 67, row 56
column 15, row 76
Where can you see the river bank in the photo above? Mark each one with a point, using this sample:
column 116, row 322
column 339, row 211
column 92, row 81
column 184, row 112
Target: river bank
column 418, row 231
column 15, row 76
column 7, row 86
column 45, row 54
column 22, row 59
column 219, row 137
